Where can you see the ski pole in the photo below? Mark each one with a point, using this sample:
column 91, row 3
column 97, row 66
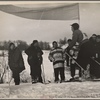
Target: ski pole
column 75, row 61
column 95, row 61
column 43, row 74
column 83, row 72
column 9, row 81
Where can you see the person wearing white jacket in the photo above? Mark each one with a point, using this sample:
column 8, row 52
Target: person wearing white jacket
column 57, row 56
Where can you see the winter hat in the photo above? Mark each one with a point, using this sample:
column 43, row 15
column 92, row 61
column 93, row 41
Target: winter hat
column 54, row 42
column 75, row 26
column 11, row 44
column 69, row 40
column 34, row 41
column 94, row 35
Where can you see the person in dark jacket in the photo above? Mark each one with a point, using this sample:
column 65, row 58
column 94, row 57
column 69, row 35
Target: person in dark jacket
column 85, row 52
column 95, row 67
column 67, row 57
column 16, row 63
column 35, row 59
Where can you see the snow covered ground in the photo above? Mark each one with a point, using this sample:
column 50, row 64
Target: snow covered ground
column 52, row 90
column 85, row 89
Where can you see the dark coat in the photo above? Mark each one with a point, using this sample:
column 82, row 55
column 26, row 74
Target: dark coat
column 85, row 53
column 15, row 60
column 34, row 60
column 87, row 49
column 97, row 51
column 34, row 55
column 95, row 67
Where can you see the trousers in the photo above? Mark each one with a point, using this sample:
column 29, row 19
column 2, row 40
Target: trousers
column 59, row 71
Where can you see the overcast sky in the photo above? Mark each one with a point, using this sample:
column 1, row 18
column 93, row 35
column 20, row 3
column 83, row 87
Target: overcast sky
column 17, row 28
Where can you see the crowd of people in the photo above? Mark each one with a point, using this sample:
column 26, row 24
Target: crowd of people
column 80, row 53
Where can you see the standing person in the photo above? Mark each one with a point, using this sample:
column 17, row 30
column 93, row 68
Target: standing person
column 73, row 53
column 86, row 51
column 67, row 57
column 35, row 59
column 94, row 67
column 57, row 56
column 16, row 63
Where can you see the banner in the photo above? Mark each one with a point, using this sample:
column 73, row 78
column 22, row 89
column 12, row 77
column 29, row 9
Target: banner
column 65, row 12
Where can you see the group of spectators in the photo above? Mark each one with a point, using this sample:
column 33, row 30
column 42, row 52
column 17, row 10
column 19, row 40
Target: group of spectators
column 80, row 53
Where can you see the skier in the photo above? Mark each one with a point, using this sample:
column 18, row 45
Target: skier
column 35, row 59
column 77, row 36
column 57, row 56
column 15, row 62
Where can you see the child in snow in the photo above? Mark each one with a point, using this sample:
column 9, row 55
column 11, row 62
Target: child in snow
column 57, row 56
